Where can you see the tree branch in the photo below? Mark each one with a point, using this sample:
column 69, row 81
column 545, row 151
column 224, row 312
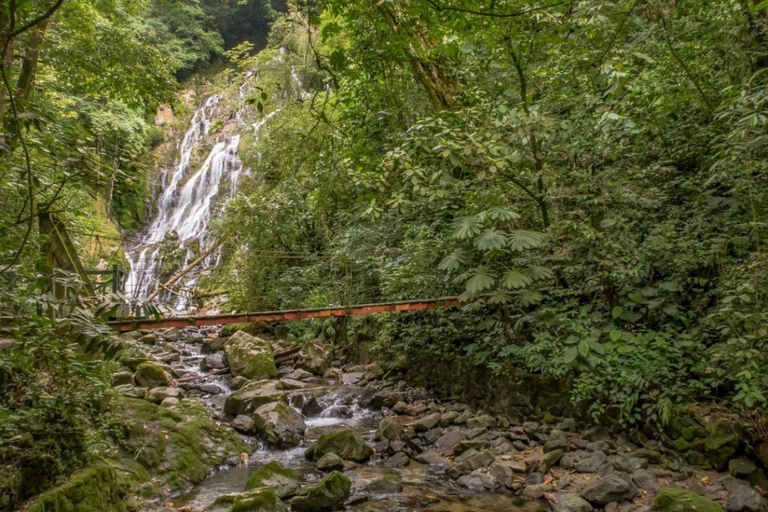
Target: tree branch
column 441, row 8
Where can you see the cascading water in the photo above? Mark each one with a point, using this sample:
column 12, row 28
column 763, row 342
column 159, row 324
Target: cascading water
column 184, row 208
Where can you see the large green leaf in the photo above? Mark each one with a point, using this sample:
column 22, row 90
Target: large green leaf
column 502, row 214
column 453, row 261
column 491, row 239
column 520, row 240
column 529, row 297
column 480, row 281
column 467, row 227
column 515, row 279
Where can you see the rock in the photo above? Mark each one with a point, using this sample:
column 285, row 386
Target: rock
column 121, row 378
column 400, row 408
column 279, row 425
column 172, row 334
column 157, row 395
column 462, row 418
column 428, row 422
column 681, row 500
column 645, row 480
column 484, row 421
column 741, row 467
column 542, row 462
column 213, row 362
column 287, row 383
column 555, row 444
column 432, row 458
column 299, row 374
column 478, row 481
column 315, row 356
column 346, row 443
column 398, row 460
column 534, row 479
column 448, row 418
column 274, row 475
column 609, row 489
column 591, row 463
column 329, row 494
column 745, row 499
column 597, row 446
column 264, row 499
column 244, row 424
column 387, row 484
column 311, row 408
column 169, row 401
column 151, row 375
column 505, row 471
column 596, row 433
column 7, row 343
column 333, row 374
column 535, row 492
column 252, row 396
column 449, row 440
column 330, row 462
column 651, row 456
column 761, row 452
column 250, row 357
column 212, row 345
column 723, row 441
column 389, row 429
column 569, row 502
column 431, row 436
column 237, row 382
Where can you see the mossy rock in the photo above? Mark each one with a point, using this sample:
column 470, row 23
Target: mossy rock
column 345, row 443
column 723, row 442
column 253, row 395
column 250, row 357
column 681, row 500
column 680, row 445
column 329, row 494
column 263, row 499
column 283, row 481
column 96, row 489
column 252, row 328
column 651, row 456
column 279, row 425
column 151, row 375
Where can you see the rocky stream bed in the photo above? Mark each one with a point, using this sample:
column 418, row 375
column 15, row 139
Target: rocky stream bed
column 215, row 424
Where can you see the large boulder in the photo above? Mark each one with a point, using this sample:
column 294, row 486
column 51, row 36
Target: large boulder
column 723, row 442
column 386, row 484
column 681, row 500
column 315, row 356
column 389, row 429
column 345, row 443
column 279, row 425
column 250, row 357
column 264, row 499
column 158, row 395
column 253, row 395
column 329, row 494
column 151, row 375
column 569, row 502
column 273, row 475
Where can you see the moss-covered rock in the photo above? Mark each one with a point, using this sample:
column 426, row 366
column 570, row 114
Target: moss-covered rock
column 250, row 357
column 151, row 375
column 279, row 425
column 315, row 357
column 681, row 500
column 96, row 489
column 275, row 476
column 345, row 443
column 329, row 494
column 723, row 442
column 263, row 499
column 253, row 395
column 252, row 328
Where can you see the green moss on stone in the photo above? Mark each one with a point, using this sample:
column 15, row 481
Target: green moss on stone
column 681, row 500
column 96, row 489
column 345, row 443
column 258, row 500
column 266, row 472
column 329, row 494
column 680, row 445
column 151, row 374
column 250, row 357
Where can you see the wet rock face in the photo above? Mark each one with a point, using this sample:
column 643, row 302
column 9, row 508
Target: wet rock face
column 315, row 357
column 250, row 357
column 253, row 395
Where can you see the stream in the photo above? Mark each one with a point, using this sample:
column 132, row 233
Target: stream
column 425, row 486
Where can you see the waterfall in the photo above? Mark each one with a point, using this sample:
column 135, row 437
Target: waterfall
column 184, row 208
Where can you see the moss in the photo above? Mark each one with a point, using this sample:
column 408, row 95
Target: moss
column 651, row 456
column 681, row 500
column 680, row 445
column 723, row 442
column 266, row 472
column 263, row 499
column 330, row 493
column 345, row 443
column 250, row 357
column 96, row 489
column 150, row 374
column 252, row 328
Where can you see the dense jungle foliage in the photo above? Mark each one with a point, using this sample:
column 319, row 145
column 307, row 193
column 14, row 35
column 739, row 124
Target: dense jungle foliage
column 589, row 177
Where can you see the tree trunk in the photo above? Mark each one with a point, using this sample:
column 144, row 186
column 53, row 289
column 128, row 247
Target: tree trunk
column 29, row 65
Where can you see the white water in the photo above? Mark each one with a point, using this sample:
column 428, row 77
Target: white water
column 185, row 208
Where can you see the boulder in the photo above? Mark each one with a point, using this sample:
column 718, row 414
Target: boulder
column 398, row 460
column 279, row 425
column 427, row 422
column 244, row 424
column 282, row 480
column 252, row 396
column 151, row 375
column 346, row 443
column 609, row 489
column 745, row 499
column 315, row 356
column 387, row 484
column 591, row 463
column 263, row 499
column 172, row 334
column 250, row 357
column 213, row 362
column 478, row 481
column 121, row 378
column 329, row 494
column 389, row 429
column 449, row 440
column 330, row 462
column 542, row 462
column 536, row 491
column 682, row 500
column 484, row 421
column 504, row 471
column 741, row 467
column 569, row 502
column 723, row 441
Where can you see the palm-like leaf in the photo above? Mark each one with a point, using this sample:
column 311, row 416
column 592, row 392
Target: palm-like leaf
column 538, row 272
column 481, row 280
column 520, row 240
column 453, row 261
column 515, row 279
column 529, row 297
column 491, row 239
column 502, row 214
column 467, row 227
